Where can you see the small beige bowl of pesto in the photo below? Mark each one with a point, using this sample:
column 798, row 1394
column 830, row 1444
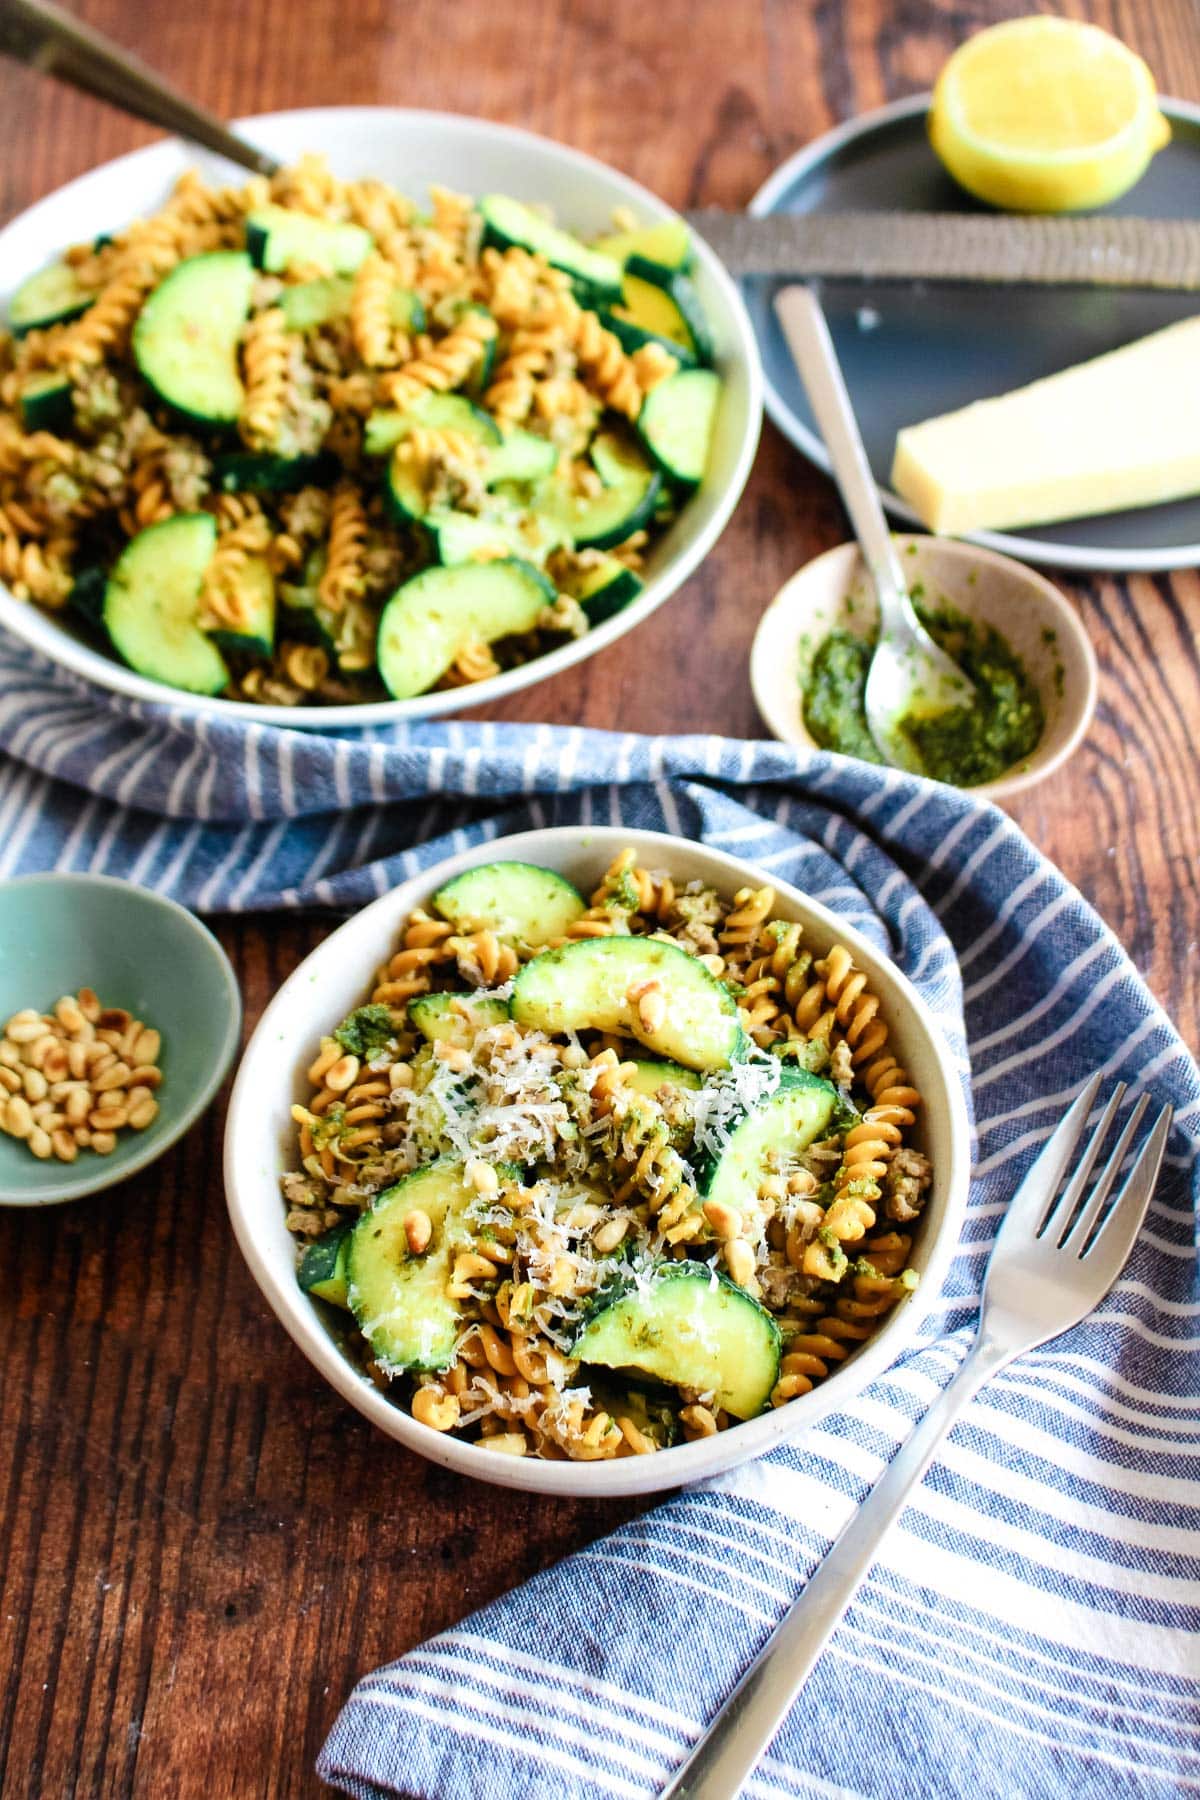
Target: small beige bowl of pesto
column 1020, row 640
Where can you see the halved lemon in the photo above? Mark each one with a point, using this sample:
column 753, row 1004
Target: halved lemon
column 1046, row 115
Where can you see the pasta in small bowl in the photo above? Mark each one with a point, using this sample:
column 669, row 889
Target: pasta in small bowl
column 596, row 1162
column 432, row 413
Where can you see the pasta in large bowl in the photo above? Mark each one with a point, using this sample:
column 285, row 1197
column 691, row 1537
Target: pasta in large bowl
column 434, row 412
column 596, row 1162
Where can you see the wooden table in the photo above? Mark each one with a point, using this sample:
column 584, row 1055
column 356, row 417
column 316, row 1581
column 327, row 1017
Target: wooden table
column 201, row 1546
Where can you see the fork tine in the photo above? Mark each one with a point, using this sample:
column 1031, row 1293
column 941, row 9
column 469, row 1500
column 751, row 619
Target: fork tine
column 1123, row 1223
column 1079, row 1233
column 1057, row 1221
column 1041, row 1180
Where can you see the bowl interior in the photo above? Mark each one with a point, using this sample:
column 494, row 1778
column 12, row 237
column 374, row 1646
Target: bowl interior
column 260, row 1146
column 834, row 593
column 412, row 150
column 63, row 932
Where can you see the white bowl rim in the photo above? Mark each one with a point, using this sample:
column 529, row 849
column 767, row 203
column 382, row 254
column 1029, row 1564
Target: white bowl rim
column 682, row 1464
column 764, row 660
column 38, row 629
column 104, row 1176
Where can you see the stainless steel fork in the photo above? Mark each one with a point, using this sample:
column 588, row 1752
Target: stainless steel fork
column 1054, row 1260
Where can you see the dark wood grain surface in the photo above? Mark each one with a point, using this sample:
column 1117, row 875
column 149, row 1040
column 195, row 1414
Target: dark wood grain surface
column 200, row 1546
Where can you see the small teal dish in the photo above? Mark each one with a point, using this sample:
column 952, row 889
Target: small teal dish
column 59, row 933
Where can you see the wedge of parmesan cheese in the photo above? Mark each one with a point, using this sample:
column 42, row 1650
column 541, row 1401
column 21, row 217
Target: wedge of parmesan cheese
column 1120, row 431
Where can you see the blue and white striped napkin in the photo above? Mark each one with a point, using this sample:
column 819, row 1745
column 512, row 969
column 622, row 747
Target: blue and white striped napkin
column 1033, row 1626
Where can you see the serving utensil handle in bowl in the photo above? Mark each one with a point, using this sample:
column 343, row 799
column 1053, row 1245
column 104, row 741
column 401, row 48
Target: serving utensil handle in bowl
column 40, row 36
column 738, row 1737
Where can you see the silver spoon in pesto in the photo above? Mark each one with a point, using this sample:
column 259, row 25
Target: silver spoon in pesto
column 911, row 678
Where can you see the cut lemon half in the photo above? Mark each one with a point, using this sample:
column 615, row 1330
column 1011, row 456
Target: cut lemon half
column 1045, row 115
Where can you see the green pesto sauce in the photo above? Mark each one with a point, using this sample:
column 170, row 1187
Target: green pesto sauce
column 965, row 747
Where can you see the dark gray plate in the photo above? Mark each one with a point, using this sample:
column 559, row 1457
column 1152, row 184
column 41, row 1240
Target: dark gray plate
column 911, row 350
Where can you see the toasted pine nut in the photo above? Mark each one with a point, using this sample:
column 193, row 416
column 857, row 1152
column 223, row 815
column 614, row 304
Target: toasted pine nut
column 726, row 1221
column 342, row 1075
column 453, row 1056
column 150, row 1078
column 38, row 1050
column 136, row 1095
column 116, row 1075
column 78, row 1105
column 104, row 1142
column 88, row 1005
column 399, row 1075
column 82, row 1136
column 40, row 1143
column 651, row 1004
column 740, row 1261
column 507, row 1443
column 606, row 1237
column 482, row 1176
column 35, row 1084
column 64, row 1145
column 55, row 1064
column 99, row 1057
column 10, row 1081
column 146, row 1047
column 562, row 1275
column 25, row 1026
column 115, row 1018
column 18, row 1120
column 108, row 1118
column 10, row 1055
column 418, row 1229
column 700, row 1420
column 143, row 1114
column 77, row 1060
column 68, row 1015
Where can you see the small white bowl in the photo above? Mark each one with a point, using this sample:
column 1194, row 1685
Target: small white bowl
column 260, row 1146
column 833, row 593
column 412, row 150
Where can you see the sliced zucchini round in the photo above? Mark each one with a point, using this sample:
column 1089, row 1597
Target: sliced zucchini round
column 50, row 297
column 650, row 1077
column 323, row 1267
column 786, row 1122
column 438, row 412
column 633, row 337
column 439, row 1017
column 600, row 521
column 308, row 305
column 521, row 456
column 400, row 1301
column 277, row 238
column 48, row 404
column 666, row 247
column 256, row 592
column 518, row 901
column 508, row 222
column 259, row 471
column 676, row 423
column 641, row 276
column 605, row 589
column 151, row 603
column 427, row 621
column 586, row 986
column 185, row 341
column 693, row 1328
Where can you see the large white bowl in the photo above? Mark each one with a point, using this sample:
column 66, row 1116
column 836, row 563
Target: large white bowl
column 410, row 149
column 260, row 1145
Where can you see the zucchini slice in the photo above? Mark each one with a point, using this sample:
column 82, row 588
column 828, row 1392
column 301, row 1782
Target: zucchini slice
column 185, row 341
column 521, row 456
column 323, row 1267
column 605, row 589
column 666, row 247
column 256, row 589
column 600, row 521
column 676, row 423
column 48, row 404
column 438, row 1017
column 50, row 297
column 461, row 537
column 507, row 222
column 86, row 601
column 585, row 986
column 258, row 471
column 687, row 320
column 693, row 1328
column 786, row 1122
column 151, row 602
column 518, row 901
column 439, row 412
column 428, row 620
column 277, row 238
column 310, row 304
column 400, row 1301
column 633, row 337
column 648, row 1077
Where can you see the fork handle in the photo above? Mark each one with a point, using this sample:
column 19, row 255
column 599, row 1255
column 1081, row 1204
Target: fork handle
column 742, row 1731
column 38, row 34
